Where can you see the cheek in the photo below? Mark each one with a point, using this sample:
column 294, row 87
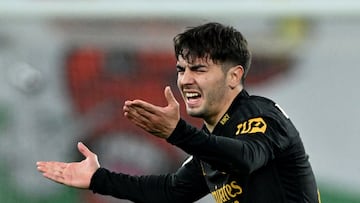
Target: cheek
column 216, row 90
column 214, row 82
column 179, row 87
column 178, row 83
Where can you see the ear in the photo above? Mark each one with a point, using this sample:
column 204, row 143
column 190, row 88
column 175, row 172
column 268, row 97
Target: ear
column 235, row 75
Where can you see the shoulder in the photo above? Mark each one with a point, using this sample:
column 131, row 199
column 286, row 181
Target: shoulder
column 256, row 106
column 247, row 109
column 261, row 107
column 260, row 114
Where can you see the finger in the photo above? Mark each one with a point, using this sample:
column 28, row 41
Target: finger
column 130, row 112
column 40, row 163
column 49, row 163
column 84, row 150
column 137, row 119
column 138, row 108
column 53, row 170
column 41, row 169
column 138, row 112
column 170, row 96
column 142, row 106
column 57, row 177
column 127, row 104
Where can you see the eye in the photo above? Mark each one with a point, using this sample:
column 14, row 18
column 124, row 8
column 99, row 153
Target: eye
column 199, row 68
column 180, row 69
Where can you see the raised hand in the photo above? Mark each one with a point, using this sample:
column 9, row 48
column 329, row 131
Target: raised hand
column 75, row 174
column 159, row 121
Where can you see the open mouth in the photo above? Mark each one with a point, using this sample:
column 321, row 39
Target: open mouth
column 192, row 98
column 192, row 95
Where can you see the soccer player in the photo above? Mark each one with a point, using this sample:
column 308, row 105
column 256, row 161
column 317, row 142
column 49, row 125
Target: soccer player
column 248, row 150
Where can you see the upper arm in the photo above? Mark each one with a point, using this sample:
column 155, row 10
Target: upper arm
column 243, row 152
column 247, row 148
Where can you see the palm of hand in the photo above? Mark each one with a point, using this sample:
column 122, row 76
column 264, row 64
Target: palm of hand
column 75, row 174
column 159, row 121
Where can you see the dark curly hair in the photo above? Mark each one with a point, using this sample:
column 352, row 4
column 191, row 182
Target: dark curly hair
column 220, row 43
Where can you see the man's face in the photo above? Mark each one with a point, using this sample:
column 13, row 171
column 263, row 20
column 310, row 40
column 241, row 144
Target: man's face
column 202, row 84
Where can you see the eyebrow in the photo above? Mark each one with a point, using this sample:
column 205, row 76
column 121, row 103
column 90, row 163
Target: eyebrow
column 192, row 67
column 197, row 66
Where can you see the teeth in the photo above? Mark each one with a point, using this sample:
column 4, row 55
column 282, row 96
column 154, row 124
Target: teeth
column 189, row 95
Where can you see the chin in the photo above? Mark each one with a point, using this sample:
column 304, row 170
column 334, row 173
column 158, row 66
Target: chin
column 196, row 114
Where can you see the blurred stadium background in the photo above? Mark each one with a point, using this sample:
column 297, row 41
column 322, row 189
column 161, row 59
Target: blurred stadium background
column 67, row 66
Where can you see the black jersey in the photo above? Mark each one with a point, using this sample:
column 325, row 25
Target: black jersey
column 254, row 155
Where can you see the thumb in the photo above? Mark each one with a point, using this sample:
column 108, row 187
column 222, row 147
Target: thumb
column 170, row 97
column 84, row 150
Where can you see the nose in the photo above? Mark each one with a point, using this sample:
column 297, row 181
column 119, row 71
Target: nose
column 186, row 77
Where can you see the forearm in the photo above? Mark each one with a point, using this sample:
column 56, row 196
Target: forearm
column 152, row 188
column 134, row 188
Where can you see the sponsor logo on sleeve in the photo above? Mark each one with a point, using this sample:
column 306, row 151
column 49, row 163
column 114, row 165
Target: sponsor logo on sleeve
column 253, row 125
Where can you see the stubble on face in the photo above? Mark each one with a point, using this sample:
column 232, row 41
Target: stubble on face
column 203, row 90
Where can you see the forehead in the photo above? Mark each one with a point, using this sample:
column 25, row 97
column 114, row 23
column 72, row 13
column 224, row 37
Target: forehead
column 194, row 61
